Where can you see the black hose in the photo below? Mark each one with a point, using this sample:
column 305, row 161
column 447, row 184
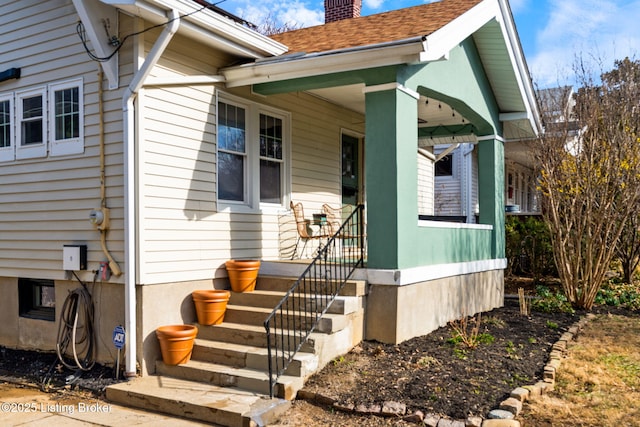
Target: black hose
column 76, row 337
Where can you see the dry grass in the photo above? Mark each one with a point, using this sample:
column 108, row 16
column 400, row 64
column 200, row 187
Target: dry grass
column 598, row 384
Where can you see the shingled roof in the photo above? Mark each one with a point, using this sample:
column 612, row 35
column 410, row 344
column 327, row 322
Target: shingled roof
column 374, row 29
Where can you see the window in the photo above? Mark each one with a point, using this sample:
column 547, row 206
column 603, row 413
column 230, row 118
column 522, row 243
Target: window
column 45, row 120
column 444, row 166
column 6, row 133
column 36, row 299
column 251, row 154
column 31, row 115
column 66, row 125
column 231, row 152
column 270, row 159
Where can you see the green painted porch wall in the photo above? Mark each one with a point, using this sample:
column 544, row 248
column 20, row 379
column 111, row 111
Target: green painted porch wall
column 395, row 239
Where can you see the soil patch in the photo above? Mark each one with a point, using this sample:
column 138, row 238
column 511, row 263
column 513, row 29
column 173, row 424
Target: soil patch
column 44, row 369
column 431, row 374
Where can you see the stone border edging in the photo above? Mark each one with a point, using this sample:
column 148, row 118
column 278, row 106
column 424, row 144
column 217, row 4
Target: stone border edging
column 503, row 416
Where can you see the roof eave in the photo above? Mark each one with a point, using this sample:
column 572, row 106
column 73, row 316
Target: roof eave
column 520, row 66
column 205, row 25
column 321, row 63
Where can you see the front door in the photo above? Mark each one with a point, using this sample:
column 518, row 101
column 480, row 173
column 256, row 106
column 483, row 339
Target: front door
column 351, row 170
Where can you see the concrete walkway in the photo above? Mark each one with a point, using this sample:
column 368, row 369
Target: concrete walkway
column 26, row 406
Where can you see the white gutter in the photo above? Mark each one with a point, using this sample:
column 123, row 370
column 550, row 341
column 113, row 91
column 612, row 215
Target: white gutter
column 205, row 25
column 129, row 140
column 314, row 64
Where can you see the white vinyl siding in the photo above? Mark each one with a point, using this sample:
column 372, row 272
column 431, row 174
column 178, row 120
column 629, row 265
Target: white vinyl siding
column 185, row 234
column 45, row 201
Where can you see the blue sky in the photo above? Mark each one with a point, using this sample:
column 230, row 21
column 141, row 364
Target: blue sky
column 552, row 32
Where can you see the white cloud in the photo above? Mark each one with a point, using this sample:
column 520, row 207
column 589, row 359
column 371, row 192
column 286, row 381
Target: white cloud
column 373, row 4
column 294, row 13
column 598, row 31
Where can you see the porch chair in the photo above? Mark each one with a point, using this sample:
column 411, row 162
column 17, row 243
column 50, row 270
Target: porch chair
column 349, row 236
column 335, row 218
column 303, row 226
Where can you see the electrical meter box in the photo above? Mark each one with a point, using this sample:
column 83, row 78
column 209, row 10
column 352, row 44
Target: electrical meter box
column 74, row 257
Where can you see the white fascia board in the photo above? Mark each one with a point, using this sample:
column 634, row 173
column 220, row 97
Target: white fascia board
column 516, row 57
column 438, row 44
column 323, row 63
column 219, row 29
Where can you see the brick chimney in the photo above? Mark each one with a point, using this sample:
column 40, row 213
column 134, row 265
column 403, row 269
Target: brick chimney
column 335, row 10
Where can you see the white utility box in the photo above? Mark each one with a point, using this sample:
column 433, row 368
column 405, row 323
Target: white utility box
column 74, row 257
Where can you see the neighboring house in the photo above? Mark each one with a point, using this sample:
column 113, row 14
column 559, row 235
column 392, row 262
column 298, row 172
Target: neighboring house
column 185, row 148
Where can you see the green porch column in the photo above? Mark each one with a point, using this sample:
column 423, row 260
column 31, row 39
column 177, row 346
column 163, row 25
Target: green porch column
column 391, row 174
column 491, row 190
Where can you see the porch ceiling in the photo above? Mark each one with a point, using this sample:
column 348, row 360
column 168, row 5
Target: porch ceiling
column 431, row 114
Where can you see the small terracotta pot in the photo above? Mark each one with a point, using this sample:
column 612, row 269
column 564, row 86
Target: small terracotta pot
column 176, row 343
column 211, row 304
column 243, row 274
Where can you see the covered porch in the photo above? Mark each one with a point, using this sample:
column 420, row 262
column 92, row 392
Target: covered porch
column 465, row 82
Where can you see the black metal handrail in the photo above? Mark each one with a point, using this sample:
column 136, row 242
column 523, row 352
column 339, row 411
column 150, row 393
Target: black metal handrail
column 297, row 315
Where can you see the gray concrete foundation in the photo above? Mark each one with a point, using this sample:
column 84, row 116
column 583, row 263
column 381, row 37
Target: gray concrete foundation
column 397, row 313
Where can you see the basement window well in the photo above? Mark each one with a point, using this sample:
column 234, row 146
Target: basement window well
column 36, row 299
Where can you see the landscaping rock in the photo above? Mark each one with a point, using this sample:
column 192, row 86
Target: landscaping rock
column 500, row 414
column 431, row 420
column 512, row 405
column 393, row 409
column 520, row 393
column 473, row 422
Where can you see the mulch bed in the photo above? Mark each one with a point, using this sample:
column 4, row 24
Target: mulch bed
column 433, row 375
column 44, row 369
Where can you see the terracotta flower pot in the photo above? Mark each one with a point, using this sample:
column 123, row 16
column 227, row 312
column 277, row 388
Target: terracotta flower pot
column 211, row 305
column 243, row 274
column 176, row 343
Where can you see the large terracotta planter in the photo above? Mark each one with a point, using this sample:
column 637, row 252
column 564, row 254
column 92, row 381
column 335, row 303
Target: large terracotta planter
column 211, row 305
column 243, row 274
column 176, row 343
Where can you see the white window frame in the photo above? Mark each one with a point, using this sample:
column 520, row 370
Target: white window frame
column 8, row 153
column 66, row 146
column 454, row 166
column 251, row 202
column 33, row 150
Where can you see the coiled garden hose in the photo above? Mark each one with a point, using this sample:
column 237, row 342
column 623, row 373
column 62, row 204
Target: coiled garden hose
column 76, row 337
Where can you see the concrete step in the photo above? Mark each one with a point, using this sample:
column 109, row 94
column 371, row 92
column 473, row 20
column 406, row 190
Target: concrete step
column 283, row 284
column 251, row 335
column 269, row 299
column 228, row 376
column 243, row 356
column 198, row 401
column 289, row 319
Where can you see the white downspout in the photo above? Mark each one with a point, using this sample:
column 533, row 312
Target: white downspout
column 129, row 140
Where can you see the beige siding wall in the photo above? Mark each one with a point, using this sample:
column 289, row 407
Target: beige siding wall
column 425, row 185
column 184, row 234
column 45, row 202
